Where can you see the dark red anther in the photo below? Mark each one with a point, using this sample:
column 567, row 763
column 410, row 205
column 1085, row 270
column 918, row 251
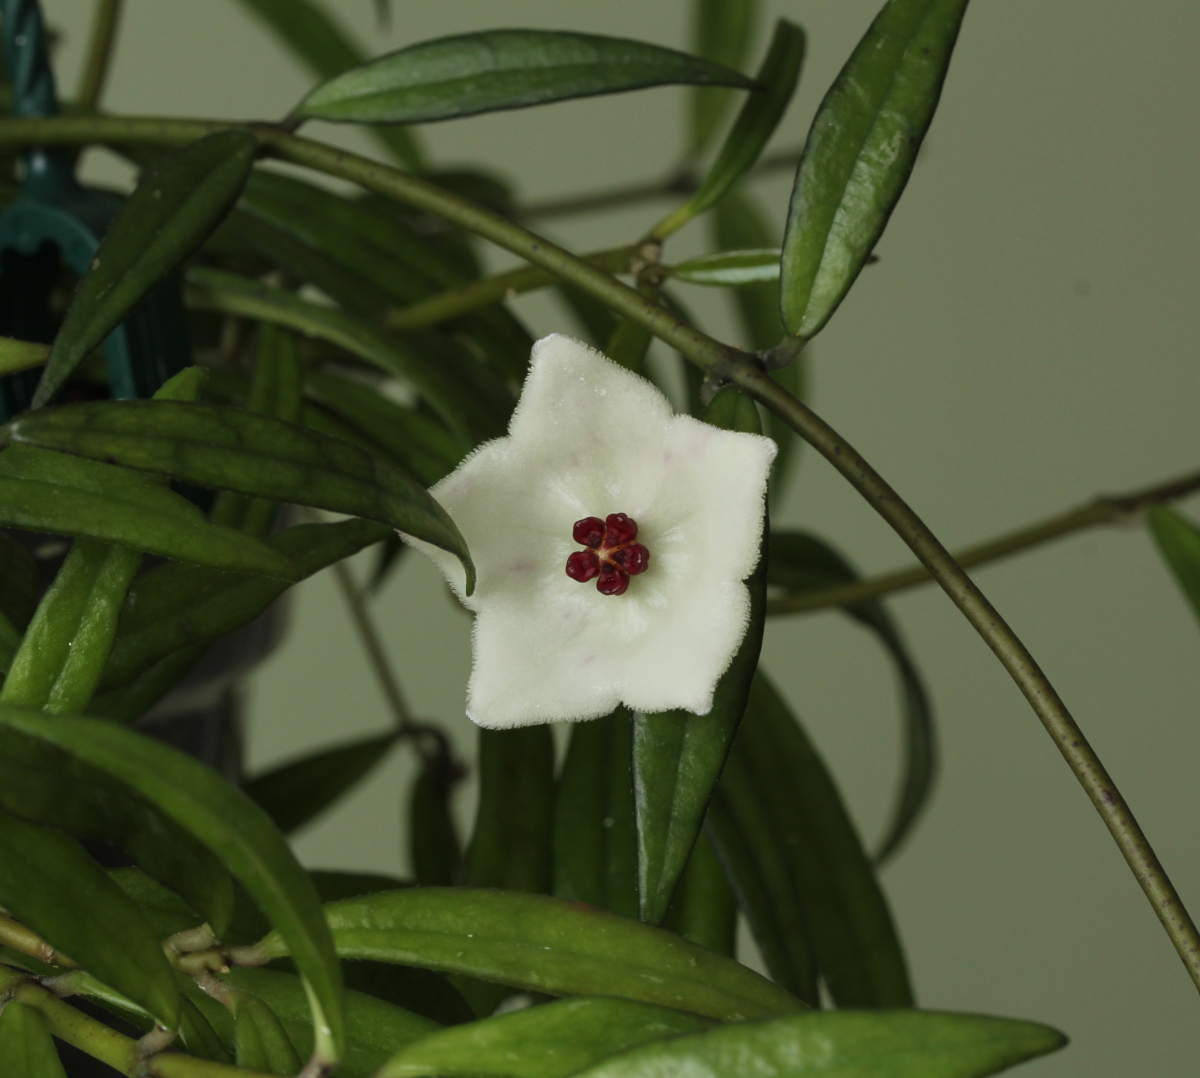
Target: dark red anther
column 583, row 565
column 634, row 558
column 612, row 556
column 588, row 532
column 619, row 530
column 613, row 580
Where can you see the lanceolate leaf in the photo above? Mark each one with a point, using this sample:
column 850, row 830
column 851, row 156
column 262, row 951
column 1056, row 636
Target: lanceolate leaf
column 65, row 495
column 167, row 217
column 705, row 909
column 26, row 1046
column 435, row 852
column 21, row 355
column 754, row 126
column 860, row 150
column 50, row 884
column 730, row 268
column 678, row 756
column 232, row 449
column 721, row 31
column 230, row 824
column 801, row 562
column 297, row 792
column 595, row 837
column 1178, row 541
column 904, row 1044
column 550, row 1041
column 18, row 582
column 778, row 806
column 322, row 44
column 546, row 945
column 502, row 69
column 374, row 1029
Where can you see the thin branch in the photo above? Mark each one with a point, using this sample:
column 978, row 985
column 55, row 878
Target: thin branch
column 722, row 363
column 364, row 622
column 1110, row 509
column 25, row 941
column 100, row 50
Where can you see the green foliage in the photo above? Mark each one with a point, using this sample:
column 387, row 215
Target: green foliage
column 26, row 1045
column 440, row 80
column 721, row 31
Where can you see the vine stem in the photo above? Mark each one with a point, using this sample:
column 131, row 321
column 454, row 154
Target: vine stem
column 100, row 1042
column 722, row 363
column 1108, row 509
column 100, row 49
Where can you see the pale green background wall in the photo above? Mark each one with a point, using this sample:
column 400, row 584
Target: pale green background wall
column 1028, row 340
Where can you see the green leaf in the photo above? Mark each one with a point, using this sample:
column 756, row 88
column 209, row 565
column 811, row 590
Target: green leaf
column 435, row 852
column 324, row 47
column 595, row 837
column 544, row 944
column 167, row 217
column 594, row 317
column 21, row 355
column 18, row 582
column 550, row 1041
column 705, row 909
column 756, row 123
column 861, row 149
column 739, row 224
column 678, row 756
column 333, row 885
column 132, row 700
column 260, row 1041
column 510, row 843
column 198, row 800
column 728, row 268
column 375, row 1030
column 26, row 1045
column 1178, row 541
column 64, row 495
column 449, row 396
column 903, row 1044
column 226, row 448
column 721, row 31
column 778, row 803
column 801, row 562
column 173, row 607
column 299, row 791
column 502, row 69
column 50, row 884
column 63, row 653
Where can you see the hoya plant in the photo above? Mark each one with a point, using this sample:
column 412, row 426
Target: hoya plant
column 241, row 373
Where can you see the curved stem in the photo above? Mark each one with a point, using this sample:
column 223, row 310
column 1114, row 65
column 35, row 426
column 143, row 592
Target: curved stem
column 1013, row 655
column 100, row 49
column 1109, row 509
column 722, row 363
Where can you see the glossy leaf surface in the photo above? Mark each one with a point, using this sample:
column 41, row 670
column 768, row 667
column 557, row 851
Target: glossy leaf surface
column 778, row 804
column 543, row 944
column 860, row 151
column 1178, row 541
column 232, row 449
column 65, row 495
column 226, row 821
column 756, row 123
column 550, row 1041
column 730, row 268
column 168, row 216
column 705, row 909
column 905, row 1044
column 801, row 562
column 721, row 31
column 678, row 756
column 294, row 793
column 26, row 1046
column 595, row 836
column 375, row 1030
column 502, row 69
column 49, row 883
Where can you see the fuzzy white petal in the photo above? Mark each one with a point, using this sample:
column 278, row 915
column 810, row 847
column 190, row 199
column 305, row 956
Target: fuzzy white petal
column 589, row 438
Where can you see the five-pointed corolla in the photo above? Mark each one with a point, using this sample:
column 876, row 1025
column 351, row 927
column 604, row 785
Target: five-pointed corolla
column 669, row 513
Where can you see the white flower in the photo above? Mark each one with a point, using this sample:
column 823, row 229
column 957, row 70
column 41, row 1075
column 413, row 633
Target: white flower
column 589, row 439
